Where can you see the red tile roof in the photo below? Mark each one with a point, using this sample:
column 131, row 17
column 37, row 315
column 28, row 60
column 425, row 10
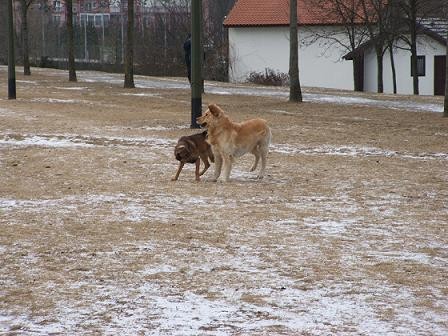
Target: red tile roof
column 276, row 13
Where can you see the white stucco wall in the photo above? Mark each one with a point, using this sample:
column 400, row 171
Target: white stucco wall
column 425, row 47
column 258, row 48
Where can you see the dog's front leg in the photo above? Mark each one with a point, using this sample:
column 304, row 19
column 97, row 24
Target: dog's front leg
column 227, row 159
column 181, row 165
column 196, row 173
column 218, row 165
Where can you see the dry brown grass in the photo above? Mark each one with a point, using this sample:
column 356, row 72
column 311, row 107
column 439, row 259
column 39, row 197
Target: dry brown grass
column 345, row 235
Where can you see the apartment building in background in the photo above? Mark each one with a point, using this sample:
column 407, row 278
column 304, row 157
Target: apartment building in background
column 100, row 12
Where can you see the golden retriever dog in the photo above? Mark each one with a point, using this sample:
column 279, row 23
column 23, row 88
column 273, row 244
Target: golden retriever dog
column 230, row 140
column 193, row 149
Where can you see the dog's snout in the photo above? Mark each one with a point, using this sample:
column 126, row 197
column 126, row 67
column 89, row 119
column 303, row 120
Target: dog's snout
column 178, row 157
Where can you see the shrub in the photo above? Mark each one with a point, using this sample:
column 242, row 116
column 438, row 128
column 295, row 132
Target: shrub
column 269, row 77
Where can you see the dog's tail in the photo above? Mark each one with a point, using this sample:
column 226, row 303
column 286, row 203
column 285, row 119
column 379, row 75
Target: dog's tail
column 266, row 139
column 268, row 136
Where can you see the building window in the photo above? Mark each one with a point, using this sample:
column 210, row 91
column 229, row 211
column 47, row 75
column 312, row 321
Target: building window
column 98, row 20
column 421, row 66
column 57, row 5
column 106, row 19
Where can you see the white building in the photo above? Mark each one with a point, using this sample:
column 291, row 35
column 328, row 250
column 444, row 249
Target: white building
column 254, row 49
column 431, row 68
column 259, row 39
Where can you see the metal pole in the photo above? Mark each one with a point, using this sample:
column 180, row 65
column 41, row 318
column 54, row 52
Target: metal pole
column 196, row 56
column 11, row 56
column 85, row 39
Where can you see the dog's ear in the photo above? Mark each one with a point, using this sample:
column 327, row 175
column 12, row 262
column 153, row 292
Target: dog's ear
column 215, row 109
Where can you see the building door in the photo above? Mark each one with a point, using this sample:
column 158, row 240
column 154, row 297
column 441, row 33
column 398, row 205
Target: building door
column 439, row 75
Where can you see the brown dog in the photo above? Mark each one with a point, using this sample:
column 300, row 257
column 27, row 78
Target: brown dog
column 193, row 149
column 230, row 139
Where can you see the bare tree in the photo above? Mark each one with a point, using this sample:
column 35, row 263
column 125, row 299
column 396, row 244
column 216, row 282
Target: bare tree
column 129, row 57
column 392, row 32
column 445, row 110
column 409, row 10
column 11, row 54
column 412, row 14
column 24, row 6
column 375, row 15
column 295, row 92
column 3, row 32
column 161, row 27
column 349, row 33
column 71, row 43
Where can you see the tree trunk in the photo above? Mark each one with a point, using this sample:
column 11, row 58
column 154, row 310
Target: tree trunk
column 414, row 68
column 71, row 43
column 295, row 92
column 413, row 32
column 25, row 44
column 379, row 62
column 445, row 110
column 129, row 57
column 392, row 65
column 11, row 54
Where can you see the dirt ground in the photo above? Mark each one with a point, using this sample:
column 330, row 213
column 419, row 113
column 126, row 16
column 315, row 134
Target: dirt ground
column 346, row 235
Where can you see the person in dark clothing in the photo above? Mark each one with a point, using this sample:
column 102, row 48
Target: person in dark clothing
column 187, row 54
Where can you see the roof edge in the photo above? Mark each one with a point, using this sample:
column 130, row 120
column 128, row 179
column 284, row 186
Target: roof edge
column 281, row 25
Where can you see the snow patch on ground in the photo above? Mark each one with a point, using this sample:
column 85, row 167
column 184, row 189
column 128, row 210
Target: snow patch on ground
column 281, row 92
column 142, row 94
column 354, row 151
column 42, row 141
column 74, row 88
column 60, row 101
column 344, row 98
column 67, row 140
